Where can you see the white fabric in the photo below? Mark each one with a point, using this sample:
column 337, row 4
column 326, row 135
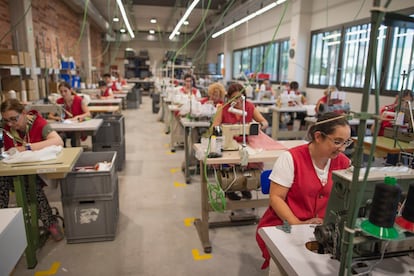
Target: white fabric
column 323, row 173
column 13, row 156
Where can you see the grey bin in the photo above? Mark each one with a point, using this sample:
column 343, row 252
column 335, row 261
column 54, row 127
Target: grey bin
column 87, row 184
column 91, row 219
column 112, row 129
column 118, row 147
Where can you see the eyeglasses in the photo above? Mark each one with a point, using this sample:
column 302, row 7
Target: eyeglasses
column 13, row 119
column 339, row 143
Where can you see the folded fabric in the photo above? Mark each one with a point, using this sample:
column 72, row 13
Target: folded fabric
column 48, row 153
column 262, row 141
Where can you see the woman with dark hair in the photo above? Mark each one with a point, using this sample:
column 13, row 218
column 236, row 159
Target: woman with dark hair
column 28, row 130
column 225, row 115
column 301, row 179
column 74, row 108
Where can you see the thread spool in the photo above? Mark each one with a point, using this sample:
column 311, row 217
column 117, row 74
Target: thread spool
column 406, row 221
column 384, row 210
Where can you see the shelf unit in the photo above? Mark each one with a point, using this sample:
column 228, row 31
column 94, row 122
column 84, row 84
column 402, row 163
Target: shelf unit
column 137, row 67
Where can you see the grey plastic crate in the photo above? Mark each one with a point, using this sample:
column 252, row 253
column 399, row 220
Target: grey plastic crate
column 80, row 184
column 91, row 220
column 119, row 148
column 112, row 129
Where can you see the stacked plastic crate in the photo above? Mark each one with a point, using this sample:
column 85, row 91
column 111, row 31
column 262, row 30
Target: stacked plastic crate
column 111, row 137
column 90, row 198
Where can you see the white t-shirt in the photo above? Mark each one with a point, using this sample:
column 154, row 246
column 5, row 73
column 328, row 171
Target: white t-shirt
column 283, row 170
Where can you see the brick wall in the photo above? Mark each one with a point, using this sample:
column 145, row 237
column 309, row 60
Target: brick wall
column 6, row 41
column 97, row 48
column 56, row 29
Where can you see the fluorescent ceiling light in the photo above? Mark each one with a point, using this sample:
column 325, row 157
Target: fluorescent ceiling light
column 186, row 22
column 115, row 19
column 184, row 18
column 153, row 20
column 124, row 16
column 122, row 30
column 247, row 18
column 151, row 31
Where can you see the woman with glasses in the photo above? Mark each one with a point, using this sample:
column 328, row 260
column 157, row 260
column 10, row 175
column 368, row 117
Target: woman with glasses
column 301, row 179
column 189, row 86
column 28, row 130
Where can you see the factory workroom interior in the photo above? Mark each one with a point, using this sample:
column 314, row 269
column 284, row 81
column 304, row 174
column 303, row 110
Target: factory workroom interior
column 207, row 137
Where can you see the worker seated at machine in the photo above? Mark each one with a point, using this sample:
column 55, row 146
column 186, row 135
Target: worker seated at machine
column 238, row 111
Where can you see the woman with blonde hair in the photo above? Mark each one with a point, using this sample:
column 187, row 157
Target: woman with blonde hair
column 216, row 93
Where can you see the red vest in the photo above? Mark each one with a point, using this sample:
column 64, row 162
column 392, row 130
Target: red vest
column 35, row 131
column 75, row 109
column 307, row 198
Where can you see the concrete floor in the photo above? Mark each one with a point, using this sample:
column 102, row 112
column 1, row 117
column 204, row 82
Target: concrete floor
column 152, row 238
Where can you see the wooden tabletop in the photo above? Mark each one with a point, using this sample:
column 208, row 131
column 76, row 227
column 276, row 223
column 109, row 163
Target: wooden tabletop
column 103, row 108
column 56, row 168
column 385, row 145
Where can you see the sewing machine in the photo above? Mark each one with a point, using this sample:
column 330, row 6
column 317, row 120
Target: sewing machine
column 329, row 234
column 231, row 130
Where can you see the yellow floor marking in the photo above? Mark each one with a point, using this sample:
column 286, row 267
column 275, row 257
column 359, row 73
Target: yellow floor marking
column 52, row 271
column 198, row 257
column 188, row 221
column 178, row 184
column 170, row 152
column 174, row 170
column 166, row 145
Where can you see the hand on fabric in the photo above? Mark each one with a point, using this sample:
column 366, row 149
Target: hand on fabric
column 313, row 221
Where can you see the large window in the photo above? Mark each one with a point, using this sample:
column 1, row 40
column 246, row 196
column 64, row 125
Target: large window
column 257, row 59
column 220, row 64
column 236, row 64
column 271, row 58
column 246, row 61
column 324, row 61
column 402, row 57
column 339, row 57
column 270, row 64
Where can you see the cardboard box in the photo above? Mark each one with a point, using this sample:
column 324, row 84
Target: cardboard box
column 53, row 87
column 27, row 59
column 32, row 95
column 6, row 59
column 13, row 83
column 30, row 84
column 18, row 57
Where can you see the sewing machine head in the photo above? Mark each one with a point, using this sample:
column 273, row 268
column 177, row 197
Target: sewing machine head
column 231, row 130
column 329, row 234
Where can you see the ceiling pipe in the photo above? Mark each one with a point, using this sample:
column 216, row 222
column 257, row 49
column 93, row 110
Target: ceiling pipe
column 93, row 13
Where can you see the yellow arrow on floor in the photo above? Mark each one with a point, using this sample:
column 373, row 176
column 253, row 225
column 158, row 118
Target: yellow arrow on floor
column 52, row 271
column 178, row 184
column 174, row 170
column 188, row 221
column 198, row 257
